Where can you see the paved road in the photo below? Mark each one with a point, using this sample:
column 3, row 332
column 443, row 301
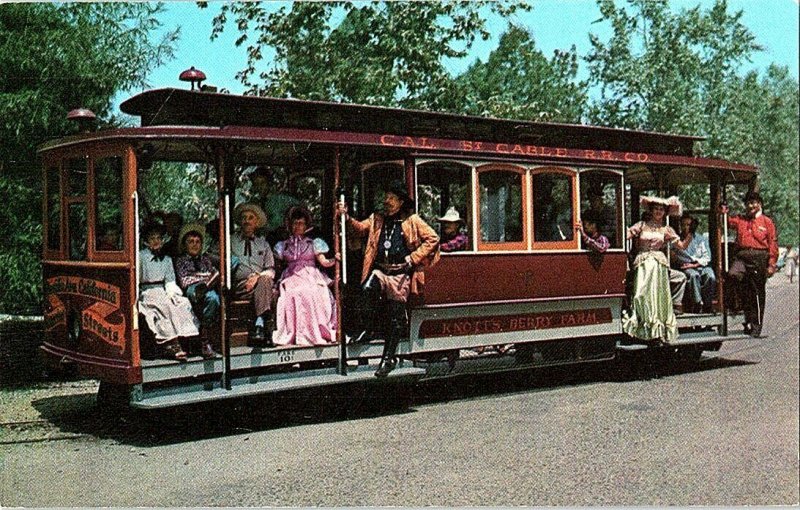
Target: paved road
column 724, row 432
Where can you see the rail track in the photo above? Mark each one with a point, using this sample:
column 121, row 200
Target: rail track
column 34, row 431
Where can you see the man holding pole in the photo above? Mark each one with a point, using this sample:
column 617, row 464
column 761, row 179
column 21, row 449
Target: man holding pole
column 399, row 245
column 755, row 259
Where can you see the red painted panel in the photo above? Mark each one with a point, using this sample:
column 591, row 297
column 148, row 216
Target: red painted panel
column 501, row 277
column 96, row 300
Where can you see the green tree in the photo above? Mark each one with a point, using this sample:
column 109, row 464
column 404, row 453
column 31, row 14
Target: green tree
column 518, row 81
column 680, row 72
column 56, row 57
column 385, row 53
column 666, row 71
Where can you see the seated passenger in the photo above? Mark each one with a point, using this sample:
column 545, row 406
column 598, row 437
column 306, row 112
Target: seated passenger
column 306, row 311
column 255, row 271
column 172, row 222
column 693, row 256
column 453, row 236
column 591, row 238
column 652, row 314
column 109, row 239
column 198, row 278
column 168, row 314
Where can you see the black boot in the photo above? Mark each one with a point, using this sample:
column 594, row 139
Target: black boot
column 269, row 327
column 397, row 317
column 370, row 300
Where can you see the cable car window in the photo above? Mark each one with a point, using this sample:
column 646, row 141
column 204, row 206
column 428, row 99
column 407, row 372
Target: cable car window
column 108, row 203
column 77, row 231
column 501, row 214
column 53, row 209
column 600, row 197
column 444, row 190
column 77, row 170
column 553, row 211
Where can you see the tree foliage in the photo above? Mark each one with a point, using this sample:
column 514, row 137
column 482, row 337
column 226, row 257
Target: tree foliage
column 663, row 70
column 518, row 81
column 680, row 72
column 385, row 53
column 56, row 57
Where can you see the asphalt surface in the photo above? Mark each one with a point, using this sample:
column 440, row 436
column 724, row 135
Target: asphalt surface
column 723, row 431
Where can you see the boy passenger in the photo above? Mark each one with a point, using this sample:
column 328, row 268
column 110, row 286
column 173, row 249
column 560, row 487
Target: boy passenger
column 255, row 272
column 399, row 245
column 589, row 229
column 198, row 278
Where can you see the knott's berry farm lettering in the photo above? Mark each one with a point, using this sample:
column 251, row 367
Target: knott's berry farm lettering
column 512, row 149
column 505, row 323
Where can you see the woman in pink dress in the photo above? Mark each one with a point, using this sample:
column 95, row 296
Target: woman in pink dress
column 306, row 313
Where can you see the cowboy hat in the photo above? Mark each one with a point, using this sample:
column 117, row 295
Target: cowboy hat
column 192, row 228
column 451, row 216
column 672, row 204
column 398, row 189
column 253, row 208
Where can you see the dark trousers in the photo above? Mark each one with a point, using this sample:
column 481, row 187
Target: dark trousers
column 749, row 270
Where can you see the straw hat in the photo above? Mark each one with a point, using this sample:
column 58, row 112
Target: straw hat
column 193, row 228
column 451, row 216
column 253, row 208
column 672, row 204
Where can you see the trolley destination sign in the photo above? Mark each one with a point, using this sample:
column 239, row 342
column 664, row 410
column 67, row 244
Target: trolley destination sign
column 506, row 323
column 512, row 149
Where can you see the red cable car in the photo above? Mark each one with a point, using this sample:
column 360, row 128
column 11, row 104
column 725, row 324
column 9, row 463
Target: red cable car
column 521, row 292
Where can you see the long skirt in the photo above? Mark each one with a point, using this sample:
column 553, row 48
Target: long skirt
column 651, row 316
column 306, row 310
column 168, row 319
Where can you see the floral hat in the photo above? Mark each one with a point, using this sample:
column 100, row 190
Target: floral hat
column 672, row 204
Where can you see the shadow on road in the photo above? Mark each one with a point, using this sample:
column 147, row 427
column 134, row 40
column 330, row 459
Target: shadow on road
column 79, row 414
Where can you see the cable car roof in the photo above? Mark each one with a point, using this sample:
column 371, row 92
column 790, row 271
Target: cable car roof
column 171, row 107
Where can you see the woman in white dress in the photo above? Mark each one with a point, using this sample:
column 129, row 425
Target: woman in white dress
column 167, row 312
column 651, row 316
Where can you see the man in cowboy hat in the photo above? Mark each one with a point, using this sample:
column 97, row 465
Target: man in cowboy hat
column 453, row 239
column 755, row 260
column 255, row 272
column 198, row 278
column 399, row 245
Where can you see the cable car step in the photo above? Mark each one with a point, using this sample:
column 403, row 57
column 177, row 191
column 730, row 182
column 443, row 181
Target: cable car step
column 695, row 337
column 159, row 398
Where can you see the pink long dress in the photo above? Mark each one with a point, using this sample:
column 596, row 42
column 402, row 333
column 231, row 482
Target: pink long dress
column 306, row 311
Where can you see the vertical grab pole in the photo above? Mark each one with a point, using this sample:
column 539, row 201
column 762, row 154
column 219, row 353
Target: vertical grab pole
column 224, row 214
column 339, row 248
column 137, row 262
column 725, row 264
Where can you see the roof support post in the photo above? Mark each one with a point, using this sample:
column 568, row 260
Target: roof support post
column 226, row 184
column 338, row 247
